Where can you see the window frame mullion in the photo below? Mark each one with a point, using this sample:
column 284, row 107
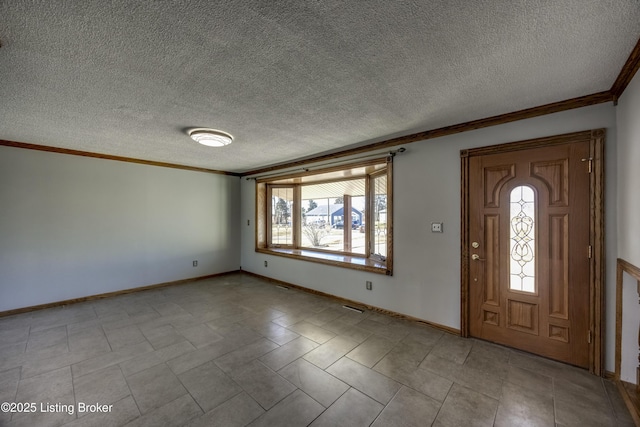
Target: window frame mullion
column 368, row 216
column 270, row 209
column 297, row 217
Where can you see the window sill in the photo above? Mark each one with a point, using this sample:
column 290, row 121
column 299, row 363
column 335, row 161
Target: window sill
column 336, row 260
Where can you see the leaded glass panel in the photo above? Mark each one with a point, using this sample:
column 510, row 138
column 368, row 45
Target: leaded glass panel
column 522, row 239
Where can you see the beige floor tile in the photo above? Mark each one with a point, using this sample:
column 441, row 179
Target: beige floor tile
column 8, row 351
column 412, row 350
column 105, row 387
column 368, row 381
column 522, row 406
column 311, row 331
column 577, row 413
column 235, row 412
column 530, row 380
column 465, row 407
column 109, row 359
column 44, row 390
column 34, row 367
column 315, row 382
column 490, row 350
column 13, row 334
column 9, row 380
column 88, row 339
column 262, row 384
column 329, row 352
column 125, row 336
column 454, row 348
column 371, row 350
column 347, row 330
column 326, row 316
column 297, row 409
column 393, row 331
column 351, row 409
column 287, row 353
column 276, row 333
column 174, row 413
column 46, row 338
column 245, row 354
column 209, row 385
column 200, row 335
column 155, row 387
column 200, row 356
column 403, row 371
column 408, row 408
column 162, row 336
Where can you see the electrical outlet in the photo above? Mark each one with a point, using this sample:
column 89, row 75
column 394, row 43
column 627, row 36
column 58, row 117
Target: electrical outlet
column 195, row 263
column 436, row 227
column 369, row 285
column 266, row 264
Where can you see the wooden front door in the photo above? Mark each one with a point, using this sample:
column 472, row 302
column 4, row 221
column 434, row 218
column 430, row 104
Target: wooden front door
column 529, row 261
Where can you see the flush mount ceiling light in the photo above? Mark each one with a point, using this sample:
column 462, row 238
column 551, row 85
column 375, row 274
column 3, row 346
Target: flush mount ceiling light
column 210, row 137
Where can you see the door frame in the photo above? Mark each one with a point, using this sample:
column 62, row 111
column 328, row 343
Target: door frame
column 596, row 140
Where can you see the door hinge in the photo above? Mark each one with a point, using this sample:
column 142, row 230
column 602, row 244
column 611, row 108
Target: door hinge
column 589, row 335
column 590, row 164
column 590, row 251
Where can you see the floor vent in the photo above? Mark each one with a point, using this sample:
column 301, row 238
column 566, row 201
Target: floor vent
column 357, row 310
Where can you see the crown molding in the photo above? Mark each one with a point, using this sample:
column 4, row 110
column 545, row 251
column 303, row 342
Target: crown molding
column 628, row 71
column 68, row 151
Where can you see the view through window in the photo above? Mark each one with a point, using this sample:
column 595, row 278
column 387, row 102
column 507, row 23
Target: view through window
column 325, row 216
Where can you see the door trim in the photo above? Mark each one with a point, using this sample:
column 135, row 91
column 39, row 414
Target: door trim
column 596, row 139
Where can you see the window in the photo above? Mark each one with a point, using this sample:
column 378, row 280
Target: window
column 338, row 216
column 522, row 266
column 281, row 212
column 379, row 220
column 326, row 222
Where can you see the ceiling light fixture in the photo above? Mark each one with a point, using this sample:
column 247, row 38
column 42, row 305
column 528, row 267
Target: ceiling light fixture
column 210, row 137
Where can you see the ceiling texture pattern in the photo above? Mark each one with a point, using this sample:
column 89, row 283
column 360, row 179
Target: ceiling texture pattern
column 291, row 78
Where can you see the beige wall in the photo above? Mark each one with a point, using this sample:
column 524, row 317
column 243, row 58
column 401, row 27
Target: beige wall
column 75, row 226
column 628, row 173
column 628, row 214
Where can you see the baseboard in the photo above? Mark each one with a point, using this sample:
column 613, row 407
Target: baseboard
column 357, row 304
column 631, row 399
column 611, row 376
column 109, row 294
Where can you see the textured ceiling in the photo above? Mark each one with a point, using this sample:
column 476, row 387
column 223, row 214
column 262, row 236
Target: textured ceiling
column 290, row 78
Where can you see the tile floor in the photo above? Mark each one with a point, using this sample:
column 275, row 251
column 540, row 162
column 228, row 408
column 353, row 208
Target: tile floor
column 236, row 350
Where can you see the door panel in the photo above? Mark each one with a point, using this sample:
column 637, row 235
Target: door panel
column 529, row 277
